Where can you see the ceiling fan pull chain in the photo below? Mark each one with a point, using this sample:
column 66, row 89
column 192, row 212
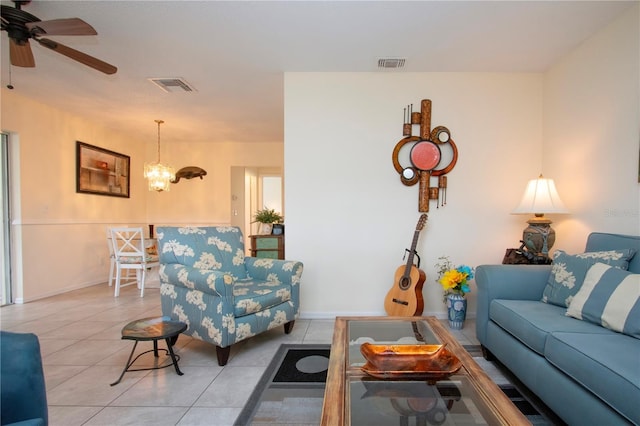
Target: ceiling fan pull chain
column 10, row 86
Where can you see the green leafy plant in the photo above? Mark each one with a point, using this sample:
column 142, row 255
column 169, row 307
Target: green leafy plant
column 267, row 216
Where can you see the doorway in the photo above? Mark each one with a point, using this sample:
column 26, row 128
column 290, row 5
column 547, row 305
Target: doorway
column 6, row 296
column 254, row 188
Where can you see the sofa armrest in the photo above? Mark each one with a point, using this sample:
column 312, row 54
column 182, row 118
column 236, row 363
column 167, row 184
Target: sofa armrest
column 519, row 282
column 283, row 271
column 205, row 280
column 22, row 381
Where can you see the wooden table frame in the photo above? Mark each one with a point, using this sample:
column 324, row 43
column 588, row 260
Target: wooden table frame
column 334, row 407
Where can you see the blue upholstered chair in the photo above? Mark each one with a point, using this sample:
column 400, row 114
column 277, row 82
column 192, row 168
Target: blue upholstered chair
column 23, row 394
column 223, row 296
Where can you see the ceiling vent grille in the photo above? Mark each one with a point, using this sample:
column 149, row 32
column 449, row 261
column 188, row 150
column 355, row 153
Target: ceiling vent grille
column 173, row 84
column 391, row 63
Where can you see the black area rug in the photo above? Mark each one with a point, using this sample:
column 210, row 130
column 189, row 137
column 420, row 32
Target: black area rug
column 473, row 350
column 291, row 390
column 303, row 365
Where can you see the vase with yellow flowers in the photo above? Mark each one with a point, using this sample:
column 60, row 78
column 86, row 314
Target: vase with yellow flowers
column 455, row 283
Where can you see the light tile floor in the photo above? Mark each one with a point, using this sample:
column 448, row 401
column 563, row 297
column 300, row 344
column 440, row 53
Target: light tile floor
column 83, row 353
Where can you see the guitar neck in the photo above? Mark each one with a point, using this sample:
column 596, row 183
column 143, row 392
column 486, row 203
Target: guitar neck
column 412, row 252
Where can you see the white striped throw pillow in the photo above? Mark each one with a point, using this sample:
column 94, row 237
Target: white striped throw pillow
column 609, row 297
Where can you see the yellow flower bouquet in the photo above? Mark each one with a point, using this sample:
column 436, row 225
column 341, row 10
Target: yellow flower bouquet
column 454, row 280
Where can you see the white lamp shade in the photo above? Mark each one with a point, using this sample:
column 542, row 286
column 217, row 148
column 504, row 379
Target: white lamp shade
column 540, row 197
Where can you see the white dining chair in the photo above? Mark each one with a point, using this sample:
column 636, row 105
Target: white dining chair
column 112, row 263
column 112, row 259
column 130, row 254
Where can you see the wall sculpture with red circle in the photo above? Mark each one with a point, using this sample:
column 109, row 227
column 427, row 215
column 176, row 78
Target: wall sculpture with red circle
column 425, row 156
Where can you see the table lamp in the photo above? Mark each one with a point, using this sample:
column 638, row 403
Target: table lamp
column 539, row 198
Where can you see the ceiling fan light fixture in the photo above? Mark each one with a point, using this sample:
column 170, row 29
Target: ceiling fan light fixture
column 159, row 175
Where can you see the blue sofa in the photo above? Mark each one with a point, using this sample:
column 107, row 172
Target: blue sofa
column 224, row 297
column 23, row 399
column 586, row 373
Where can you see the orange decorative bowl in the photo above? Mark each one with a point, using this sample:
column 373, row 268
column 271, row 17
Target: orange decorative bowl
column 429, row 362
column 398, row 357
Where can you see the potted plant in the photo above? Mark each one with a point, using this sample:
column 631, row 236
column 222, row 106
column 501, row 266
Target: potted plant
column 455, row 283
column 267, row 217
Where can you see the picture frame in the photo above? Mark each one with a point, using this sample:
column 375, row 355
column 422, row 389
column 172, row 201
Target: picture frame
column 265, row 229
column 100, row 171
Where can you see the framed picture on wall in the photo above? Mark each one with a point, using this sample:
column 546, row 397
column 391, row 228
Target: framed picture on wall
column 100, row 171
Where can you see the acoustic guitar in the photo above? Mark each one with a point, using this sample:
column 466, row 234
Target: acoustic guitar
column 405, row 297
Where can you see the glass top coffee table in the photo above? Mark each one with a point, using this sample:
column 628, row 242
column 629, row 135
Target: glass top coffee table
column 355, row 398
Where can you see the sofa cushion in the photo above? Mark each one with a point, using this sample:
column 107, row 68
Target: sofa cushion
column 138, row 259
column 568, row 272
column 591, row 360
column 251, row 296
column 599, row 241
column 531, row 321
column 609, row 297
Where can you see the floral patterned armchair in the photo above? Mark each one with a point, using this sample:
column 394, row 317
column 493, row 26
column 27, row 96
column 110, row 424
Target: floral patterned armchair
column 223, row 296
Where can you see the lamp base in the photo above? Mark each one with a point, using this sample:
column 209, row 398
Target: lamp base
column 539, row 236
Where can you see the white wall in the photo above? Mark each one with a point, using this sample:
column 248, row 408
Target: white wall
column 63, row 244
column 592, row 133
column 349, row 218
column 207, row 201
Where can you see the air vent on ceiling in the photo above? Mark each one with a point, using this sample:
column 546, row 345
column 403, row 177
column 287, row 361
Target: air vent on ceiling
column 173, row 84
column 393, row 63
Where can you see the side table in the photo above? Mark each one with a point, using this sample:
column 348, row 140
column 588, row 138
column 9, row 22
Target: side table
column 267, row 246
column 154, row 329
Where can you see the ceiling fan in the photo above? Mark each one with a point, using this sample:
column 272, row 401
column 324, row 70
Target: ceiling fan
column 22, row 26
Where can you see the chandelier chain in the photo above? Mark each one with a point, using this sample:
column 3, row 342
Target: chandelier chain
column 159, row 123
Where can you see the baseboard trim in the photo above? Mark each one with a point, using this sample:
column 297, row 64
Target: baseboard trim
column 333, row 314
column 21, row 300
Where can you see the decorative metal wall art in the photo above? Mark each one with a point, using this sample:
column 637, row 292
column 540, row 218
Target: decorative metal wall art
column 425, row 156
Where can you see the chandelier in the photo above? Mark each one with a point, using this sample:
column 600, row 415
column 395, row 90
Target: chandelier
column 159, row 175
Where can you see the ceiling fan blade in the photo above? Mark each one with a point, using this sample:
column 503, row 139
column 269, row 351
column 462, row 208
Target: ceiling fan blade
column 70, row 26
column 76, row 55
column 21, row 54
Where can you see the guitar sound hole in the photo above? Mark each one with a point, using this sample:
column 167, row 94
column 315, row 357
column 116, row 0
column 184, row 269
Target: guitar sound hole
column 405, row 283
